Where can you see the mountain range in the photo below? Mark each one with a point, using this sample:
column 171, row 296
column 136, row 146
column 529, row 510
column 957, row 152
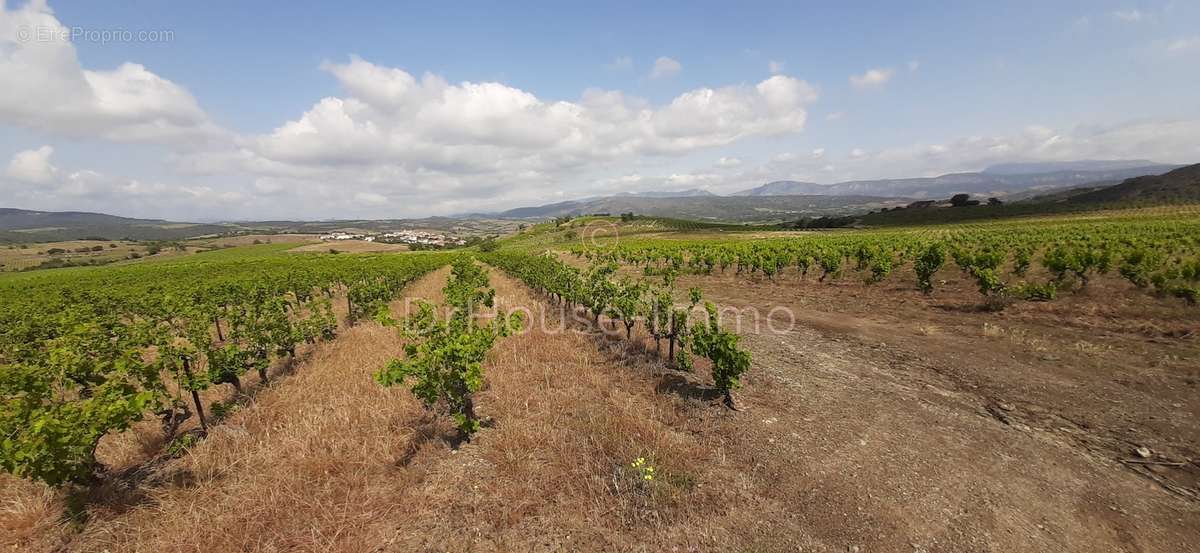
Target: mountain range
column 1078, row 182
column 997, row 180
column 783, row 200
column 712, row 207
column 22, row 225
column 1179, row 185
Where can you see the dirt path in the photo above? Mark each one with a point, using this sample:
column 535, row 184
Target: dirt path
column 899, row 450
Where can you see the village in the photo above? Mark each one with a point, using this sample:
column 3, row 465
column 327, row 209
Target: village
column 399, row 237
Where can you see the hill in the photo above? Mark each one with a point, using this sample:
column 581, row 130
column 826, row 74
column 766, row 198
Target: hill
column 21, row 225
column 1180, row 185
column 999, row 180
column 732, row 209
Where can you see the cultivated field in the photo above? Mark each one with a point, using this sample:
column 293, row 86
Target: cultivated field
column 1001, row 386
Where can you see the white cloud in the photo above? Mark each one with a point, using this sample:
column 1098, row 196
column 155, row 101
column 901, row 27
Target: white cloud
column 872, row 78
column 390, row 117
column 32, row 180
column 1169, row 141
column 691, row 179
column 621, row 63
column 437, row 146
column 727, row 162
column 775, row 67
column 665, row 67
column 43, row 87
column 818, row 152
column 33, row 166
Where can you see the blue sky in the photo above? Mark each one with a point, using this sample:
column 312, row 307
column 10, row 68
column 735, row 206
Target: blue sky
column 227, row 118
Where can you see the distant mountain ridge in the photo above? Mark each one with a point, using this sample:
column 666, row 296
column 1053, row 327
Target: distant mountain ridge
column 728, row 209
column 24, row 225
column 1179, row 185
column 997, row 180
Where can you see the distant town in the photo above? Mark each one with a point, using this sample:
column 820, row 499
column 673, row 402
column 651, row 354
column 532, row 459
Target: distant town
column 399, row 237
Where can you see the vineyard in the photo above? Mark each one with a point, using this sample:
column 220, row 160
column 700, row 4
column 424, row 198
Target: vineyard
column 588, row 389
column 1158, row 255
column 87, row 354
column 628, row 302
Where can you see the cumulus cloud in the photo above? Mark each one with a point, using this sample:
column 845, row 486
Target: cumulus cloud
column 727, row 162
column 43, row 87
column 665, row 67
column 32, row 166
column 429, row 125
column 419, row 140
column 873, row 78
column 32, row 180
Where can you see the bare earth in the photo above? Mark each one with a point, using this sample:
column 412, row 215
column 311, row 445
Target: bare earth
column 350, row 246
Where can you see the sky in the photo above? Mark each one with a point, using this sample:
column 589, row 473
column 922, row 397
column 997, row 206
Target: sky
column 229, row 110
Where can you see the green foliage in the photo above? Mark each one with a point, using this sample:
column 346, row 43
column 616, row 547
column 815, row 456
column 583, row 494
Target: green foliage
column 181, row 444
column 720, row 347
column 983, row 265
column 1138, row 265
column 1145, row 249
column 927, row 265
column 488, row 245
column 1079, row 260
column 443, row 361
column 88, row 353
column 1033, row 291
column 628, row 301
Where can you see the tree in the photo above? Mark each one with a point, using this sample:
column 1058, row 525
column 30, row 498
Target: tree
column 960, row 200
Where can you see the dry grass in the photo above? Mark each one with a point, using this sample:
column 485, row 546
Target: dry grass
column 21, row 256
column 252, row 239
